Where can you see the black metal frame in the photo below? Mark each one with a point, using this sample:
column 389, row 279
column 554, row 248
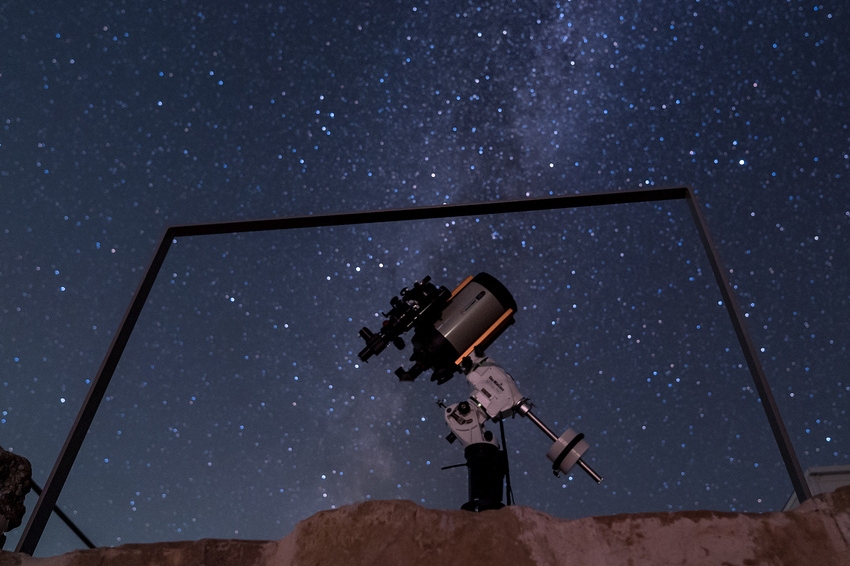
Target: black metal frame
column 59, row 474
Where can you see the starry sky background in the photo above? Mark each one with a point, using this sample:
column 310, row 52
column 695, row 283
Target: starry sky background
column 239, row 407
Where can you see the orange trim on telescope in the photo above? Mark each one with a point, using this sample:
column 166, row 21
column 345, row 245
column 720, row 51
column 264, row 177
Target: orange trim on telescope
column 494, row 327
column 463, row 284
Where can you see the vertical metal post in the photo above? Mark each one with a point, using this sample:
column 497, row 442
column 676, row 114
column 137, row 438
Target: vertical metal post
column 771, row 409
column 56, row 480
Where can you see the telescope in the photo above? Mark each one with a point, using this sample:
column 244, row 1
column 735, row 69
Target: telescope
column 447, row 326
column 451, row 332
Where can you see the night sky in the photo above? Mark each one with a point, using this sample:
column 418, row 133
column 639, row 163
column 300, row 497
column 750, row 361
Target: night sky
column 240, row 407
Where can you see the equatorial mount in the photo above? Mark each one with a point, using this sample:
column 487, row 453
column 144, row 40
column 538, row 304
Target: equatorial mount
column 451, row 332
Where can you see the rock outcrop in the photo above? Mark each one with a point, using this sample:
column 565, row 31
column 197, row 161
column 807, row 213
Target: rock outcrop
column 381, row 533
column 15, row 481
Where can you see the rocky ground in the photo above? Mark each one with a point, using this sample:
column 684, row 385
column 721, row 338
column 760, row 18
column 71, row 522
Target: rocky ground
column 379, row 533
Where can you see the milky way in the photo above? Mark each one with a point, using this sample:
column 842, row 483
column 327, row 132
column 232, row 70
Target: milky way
column 240, row 407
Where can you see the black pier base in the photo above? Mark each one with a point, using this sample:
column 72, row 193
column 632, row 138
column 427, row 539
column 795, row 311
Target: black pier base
column 486, row 467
